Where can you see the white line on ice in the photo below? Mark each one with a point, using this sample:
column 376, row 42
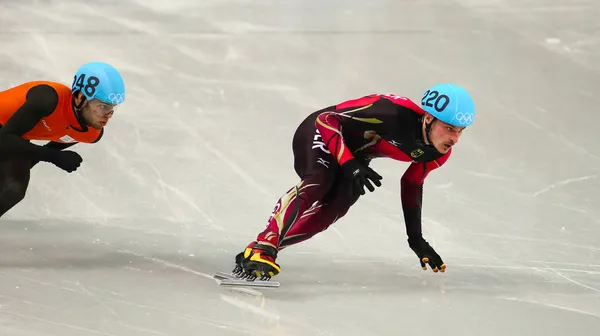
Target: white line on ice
column 168, row 264
column 181, row 195
column 250, row 307
column 529, row 268
column 550, row 305
column 562, row 183
column 239, row 171
column 96, row 298
column 57, row 323
column 543, row 241
column 573, row 281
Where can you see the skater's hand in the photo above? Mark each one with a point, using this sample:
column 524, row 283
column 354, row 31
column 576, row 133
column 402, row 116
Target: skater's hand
column 66, row 160
column 361, row 176
column 426, row 254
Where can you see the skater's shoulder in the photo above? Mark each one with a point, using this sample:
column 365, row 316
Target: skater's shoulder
column 42, row 90
column 44, row 97
column 401, row 104
column 52, row 89
column 39, row 93
column 38, row 85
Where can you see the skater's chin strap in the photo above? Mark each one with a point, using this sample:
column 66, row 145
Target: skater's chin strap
column 427, row 139
column 77, row 103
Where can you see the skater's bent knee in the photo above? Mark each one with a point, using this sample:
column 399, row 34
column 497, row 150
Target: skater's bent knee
column 12, row 193
column 315, row 189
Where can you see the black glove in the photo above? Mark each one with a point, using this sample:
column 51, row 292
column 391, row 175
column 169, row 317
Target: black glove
column 67, row 160
column 426, row 254
column 360, row 176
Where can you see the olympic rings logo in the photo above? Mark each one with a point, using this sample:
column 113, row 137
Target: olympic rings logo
column 116, row 98
column 464, row 118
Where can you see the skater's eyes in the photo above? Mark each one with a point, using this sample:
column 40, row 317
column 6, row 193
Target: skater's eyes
column 454, row 129
column 105, row 108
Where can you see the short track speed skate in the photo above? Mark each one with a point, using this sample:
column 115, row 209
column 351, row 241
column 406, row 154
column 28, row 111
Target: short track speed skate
column 253, row 267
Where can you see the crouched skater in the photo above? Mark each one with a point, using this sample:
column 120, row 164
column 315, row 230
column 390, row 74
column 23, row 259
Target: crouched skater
column 332, row 149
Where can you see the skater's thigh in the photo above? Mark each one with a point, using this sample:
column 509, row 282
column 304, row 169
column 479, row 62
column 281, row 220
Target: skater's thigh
column 14, row 173
column 14, row 180
column 312, row 160
column 341, row 196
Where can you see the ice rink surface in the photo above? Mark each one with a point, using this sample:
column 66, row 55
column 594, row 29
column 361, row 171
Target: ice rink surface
column 192, row 164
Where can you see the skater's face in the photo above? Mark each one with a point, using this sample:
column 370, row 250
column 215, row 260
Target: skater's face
column 443, row 136
column 96, row 113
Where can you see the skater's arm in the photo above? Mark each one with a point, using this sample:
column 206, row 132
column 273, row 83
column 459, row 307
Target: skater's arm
column 411, row 192
column 56, row 146
column 40, row 102
column 330, row 127
column 411, row 186
column 59, row 145
column 353, row 117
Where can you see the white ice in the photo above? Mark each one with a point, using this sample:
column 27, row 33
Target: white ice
column 191, row 166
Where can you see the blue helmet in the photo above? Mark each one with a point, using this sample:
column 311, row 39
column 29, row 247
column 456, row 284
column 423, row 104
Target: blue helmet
column 449, row 103
column 100, row 81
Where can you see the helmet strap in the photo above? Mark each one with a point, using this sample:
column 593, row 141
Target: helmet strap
column 77, row 103
column 427, row 129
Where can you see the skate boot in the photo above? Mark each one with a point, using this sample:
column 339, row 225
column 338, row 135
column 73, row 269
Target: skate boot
column 257, row 262
column 239, row 269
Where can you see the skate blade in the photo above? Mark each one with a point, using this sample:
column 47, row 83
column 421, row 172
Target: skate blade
column 249, row 283
column 223, row 275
